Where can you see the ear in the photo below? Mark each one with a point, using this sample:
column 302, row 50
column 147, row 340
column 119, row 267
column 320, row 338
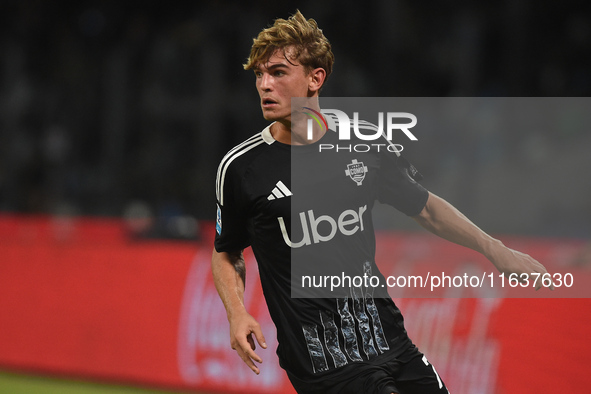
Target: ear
column 316, row 80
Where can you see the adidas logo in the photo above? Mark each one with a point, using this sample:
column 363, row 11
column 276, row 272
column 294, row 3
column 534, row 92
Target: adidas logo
column 279, row 191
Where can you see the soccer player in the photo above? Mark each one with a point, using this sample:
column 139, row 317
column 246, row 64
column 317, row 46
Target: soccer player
column 355, row 343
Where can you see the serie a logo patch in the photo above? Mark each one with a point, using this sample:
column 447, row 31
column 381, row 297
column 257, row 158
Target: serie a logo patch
column 218, row 220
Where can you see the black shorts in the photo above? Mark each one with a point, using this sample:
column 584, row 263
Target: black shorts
column 417, row 376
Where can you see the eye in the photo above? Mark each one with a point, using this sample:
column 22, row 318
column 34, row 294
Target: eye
column 258, row 74
column 279, row 73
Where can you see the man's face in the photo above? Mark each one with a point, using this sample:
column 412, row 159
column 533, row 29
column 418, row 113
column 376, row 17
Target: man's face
column 277, row 81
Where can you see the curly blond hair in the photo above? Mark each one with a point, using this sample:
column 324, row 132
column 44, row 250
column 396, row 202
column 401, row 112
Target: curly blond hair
column 302, row 39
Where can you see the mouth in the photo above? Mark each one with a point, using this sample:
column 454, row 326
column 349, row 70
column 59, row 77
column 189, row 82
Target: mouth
column 268, row 103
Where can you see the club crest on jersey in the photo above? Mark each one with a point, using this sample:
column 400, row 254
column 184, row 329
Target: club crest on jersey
column 356, row 171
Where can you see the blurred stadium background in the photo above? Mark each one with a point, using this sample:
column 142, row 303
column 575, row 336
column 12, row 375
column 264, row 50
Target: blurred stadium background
column 115, row 114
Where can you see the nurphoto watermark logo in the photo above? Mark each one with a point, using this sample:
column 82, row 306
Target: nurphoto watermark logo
column 380, row 135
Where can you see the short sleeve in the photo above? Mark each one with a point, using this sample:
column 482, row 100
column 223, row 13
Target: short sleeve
column 398, row 185
column 231, row 216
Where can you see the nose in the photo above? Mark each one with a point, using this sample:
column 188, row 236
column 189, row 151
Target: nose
column 266, row 82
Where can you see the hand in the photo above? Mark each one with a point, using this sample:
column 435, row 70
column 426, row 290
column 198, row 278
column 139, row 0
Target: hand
column 509, row 261
column 242, row 328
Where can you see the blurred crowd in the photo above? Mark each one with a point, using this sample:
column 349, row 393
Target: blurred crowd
column 121, row 108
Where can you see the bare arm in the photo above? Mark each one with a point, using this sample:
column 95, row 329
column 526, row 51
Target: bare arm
column 444, row 220
column 229, row 274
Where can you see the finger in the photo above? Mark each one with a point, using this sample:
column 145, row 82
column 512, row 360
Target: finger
column 544, row 276
column 551, row 287
column 538, row 285
column 258, row 333
column 246, row 348
column 247, row 360
column 540, row 282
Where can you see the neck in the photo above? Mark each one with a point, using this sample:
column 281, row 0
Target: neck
column 294, row 130
column 288, row 133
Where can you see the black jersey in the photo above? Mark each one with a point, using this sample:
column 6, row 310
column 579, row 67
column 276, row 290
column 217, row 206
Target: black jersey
column 319, row 212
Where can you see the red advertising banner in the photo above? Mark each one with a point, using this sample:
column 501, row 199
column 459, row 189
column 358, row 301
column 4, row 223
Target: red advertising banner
column 78, row 298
